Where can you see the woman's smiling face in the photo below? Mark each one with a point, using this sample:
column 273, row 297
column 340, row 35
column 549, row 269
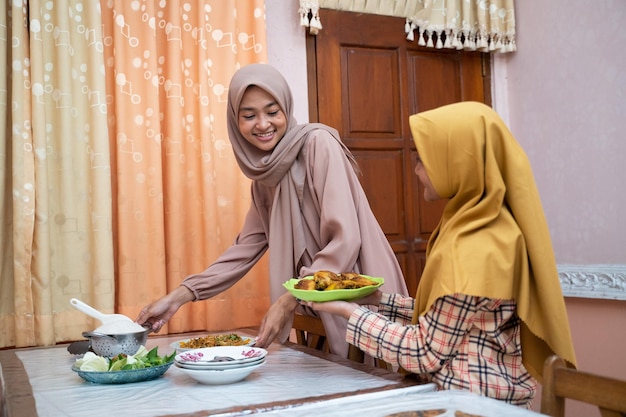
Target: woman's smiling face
column 261, row 120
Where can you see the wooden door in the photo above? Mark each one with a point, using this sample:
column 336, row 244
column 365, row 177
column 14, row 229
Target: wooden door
column 366, row 79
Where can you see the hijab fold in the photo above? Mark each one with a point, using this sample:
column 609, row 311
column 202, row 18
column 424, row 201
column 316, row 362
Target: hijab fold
column 493, row 239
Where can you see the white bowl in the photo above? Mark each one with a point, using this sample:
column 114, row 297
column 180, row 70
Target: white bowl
column 221, row 376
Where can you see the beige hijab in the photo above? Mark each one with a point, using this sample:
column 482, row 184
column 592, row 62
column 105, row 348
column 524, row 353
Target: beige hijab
column 280, row 168
column 493, row 239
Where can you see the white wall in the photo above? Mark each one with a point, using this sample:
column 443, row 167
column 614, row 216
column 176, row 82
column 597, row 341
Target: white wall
column 286, row 49
column 566, row 90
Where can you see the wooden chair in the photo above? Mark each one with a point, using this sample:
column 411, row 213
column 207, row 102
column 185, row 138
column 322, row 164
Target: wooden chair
column 561, row 382
column 310, row 332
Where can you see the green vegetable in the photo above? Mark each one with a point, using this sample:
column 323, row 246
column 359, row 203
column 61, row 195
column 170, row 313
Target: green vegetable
column 122, row 362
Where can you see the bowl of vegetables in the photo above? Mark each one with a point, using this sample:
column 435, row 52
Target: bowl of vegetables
column 142, row 366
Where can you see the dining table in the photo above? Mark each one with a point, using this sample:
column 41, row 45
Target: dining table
column 40, row 382
column 295, row 381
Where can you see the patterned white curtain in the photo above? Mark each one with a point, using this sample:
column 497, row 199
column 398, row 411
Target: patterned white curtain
column 475, row 25
column 116, row 175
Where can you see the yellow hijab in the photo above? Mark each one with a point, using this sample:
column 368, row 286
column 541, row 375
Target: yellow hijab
column 493, row 239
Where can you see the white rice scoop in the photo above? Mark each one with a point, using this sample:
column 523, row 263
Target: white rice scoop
column 111, row 323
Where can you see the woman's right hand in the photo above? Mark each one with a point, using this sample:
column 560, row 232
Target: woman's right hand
column 346, row 308
column 158, row 313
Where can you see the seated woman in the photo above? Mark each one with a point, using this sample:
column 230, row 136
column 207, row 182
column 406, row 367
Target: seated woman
column 489, row 308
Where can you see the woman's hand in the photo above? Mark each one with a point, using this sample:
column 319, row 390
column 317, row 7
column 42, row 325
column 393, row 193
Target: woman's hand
column 155, row 315
column 345, row 308
column 275, row 320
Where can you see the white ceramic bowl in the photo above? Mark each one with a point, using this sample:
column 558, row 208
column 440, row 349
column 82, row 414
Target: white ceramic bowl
column 221, row 376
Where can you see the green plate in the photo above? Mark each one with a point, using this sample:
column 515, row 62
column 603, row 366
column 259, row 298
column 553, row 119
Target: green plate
column 331, row 295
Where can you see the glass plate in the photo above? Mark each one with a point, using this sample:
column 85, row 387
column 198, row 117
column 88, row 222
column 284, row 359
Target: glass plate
column 123, row 377
column 331, row 295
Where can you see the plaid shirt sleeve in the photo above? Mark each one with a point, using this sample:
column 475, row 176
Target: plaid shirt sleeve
column 397, row 308
column 462, row 342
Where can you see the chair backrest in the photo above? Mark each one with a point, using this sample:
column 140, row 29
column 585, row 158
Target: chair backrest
column 310, row 332
column 561, row 382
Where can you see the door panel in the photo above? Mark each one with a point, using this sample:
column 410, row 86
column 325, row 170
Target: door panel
column 362, row 118
column 382, row 175
column 366, row 79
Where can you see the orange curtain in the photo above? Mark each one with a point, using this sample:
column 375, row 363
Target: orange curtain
column 178, row 193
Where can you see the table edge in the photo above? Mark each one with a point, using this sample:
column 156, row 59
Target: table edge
column 16, row 396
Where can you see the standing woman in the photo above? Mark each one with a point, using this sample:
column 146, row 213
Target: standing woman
column 308, row 208
column 489, row 308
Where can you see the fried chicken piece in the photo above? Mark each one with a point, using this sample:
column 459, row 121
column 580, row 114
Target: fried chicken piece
column 323, row 279
column 346, row 284
column 358, row 281
column 305, row 284
column 349, row 275
column 364, row 281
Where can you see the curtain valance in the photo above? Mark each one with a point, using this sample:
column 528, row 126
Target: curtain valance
column 475, row 25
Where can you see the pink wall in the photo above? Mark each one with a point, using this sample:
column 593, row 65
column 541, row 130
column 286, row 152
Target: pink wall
column 599, row 335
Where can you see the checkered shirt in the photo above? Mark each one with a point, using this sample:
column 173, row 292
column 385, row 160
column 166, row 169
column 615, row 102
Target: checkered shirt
column 463, row 342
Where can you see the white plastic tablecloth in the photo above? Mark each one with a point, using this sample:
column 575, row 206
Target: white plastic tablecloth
column 288, row 374
column 386, row 403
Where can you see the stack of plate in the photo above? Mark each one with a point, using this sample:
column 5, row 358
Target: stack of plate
column 221, row 364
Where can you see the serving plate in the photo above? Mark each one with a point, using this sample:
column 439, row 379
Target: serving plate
column 123, row 377
column 177, row 345
column 331, row 295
